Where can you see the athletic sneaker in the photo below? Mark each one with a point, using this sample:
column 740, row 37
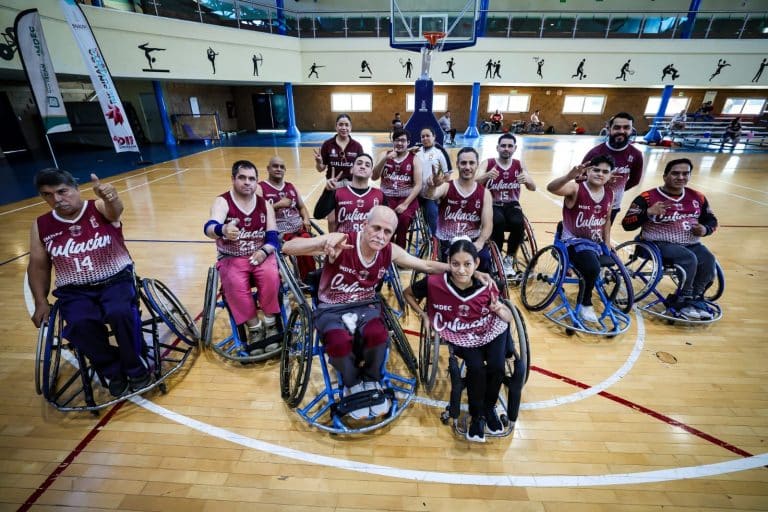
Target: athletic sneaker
column 588, row 314
column 704, row 312
column 691, row 312
column 255, row 335
column 272, row 330
column 117, row 386
column 140, row 382
column 382, row 408
column 493, row 424
column 476, row 430
column 357, row 414
column 509, row 266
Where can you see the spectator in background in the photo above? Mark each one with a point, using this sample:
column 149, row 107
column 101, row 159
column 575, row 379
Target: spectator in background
column 678, row 121
column 496, row 119
column 577, row 130
column 704, row 112
column 445, row 125
column 732, row 132
column 397, row 122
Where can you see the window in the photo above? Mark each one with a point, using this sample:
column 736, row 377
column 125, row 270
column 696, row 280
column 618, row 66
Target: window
column 583, row 104
column 746, row 106
column 348, row 102
column 508, row 102
column 674, row 105
column 439, row 102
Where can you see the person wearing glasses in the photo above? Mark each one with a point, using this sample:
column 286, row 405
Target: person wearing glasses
column 586, row 221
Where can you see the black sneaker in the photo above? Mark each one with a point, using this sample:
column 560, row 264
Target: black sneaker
column 493, row 424
column 476, row 430
column 140, row 382
column 117, row 386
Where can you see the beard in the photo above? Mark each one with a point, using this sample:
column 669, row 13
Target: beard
column 618, row 140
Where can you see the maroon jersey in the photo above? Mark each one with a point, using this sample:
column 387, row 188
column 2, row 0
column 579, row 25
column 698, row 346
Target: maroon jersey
column 352, row 208
column 252, row 225
column 338, row 160
column 627, row 172
column 505, row 188
column 588, row 216
column 463, row 321
column 397, row 177
column 675, row 225
column 349, row 278
column 288, row 219
column 85, row 250
column 459, row 214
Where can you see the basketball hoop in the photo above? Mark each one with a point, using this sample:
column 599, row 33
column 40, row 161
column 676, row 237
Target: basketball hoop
column 432, row 38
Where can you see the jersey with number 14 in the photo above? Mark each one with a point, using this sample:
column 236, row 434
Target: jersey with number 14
column 85, row 250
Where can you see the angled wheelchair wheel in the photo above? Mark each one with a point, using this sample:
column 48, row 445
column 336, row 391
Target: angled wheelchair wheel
column 48, row 353
column 520, row 337
column 528, row 248
column 542, row 278
column 296, row 357
column 209, row 306
column 616, row 285
column 418, row 234
column 497, row 269
column 643, row 266
column 396, row 297
column 171, row 311
column 399, row 340
column 429, row 356
column 715, row 289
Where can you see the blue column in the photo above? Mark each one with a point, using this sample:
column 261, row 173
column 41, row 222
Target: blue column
column 471, row 131
column 653, row 134
column 482, row 19
column 292, row 130
column 280, row 17
column 692, row 10
column 170, row 140
column 97, row 3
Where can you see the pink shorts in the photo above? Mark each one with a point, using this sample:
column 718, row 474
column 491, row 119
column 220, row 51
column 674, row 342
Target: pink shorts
column 237, row 278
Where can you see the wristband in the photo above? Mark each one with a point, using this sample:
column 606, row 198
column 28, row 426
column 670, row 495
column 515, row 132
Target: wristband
column 218, row 228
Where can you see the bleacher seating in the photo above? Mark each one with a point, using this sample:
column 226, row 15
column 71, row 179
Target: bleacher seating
column 710, row 133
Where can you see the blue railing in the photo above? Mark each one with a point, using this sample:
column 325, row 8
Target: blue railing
column 249, row 15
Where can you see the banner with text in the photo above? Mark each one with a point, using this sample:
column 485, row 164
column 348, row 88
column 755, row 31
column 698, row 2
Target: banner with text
column 111, row 106
column 36, row 61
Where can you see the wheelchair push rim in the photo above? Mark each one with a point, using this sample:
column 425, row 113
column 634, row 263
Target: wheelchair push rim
column 171, row 311
column 542, row 278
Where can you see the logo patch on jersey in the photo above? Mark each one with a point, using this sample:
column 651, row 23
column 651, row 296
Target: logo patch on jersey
column 630, row 159
column 376, row 202
column 695, row 203
column 382, row 271
column 484, row 311
column 333, row 152
column 263, row 218
column 247, row 221
column 363, row 274
column 94, row 222
column 360, row 203
column 598, row 208
column 477, row 203
column 463, row 310
column 463, row 203
column 75, row 230
column 678, row 206
column 281, row 194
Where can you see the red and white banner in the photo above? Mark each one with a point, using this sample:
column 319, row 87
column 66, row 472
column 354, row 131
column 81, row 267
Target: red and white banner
column 111, row 106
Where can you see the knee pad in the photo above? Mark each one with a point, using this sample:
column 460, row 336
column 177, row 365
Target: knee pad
column 375, row 333
column 338, row 342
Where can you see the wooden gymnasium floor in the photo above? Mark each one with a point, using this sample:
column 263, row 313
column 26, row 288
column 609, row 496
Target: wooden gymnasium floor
column 605, row 425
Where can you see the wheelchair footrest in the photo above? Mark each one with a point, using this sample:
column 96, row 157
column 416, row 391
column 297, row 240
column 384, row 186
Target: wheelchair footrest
column 363, row 399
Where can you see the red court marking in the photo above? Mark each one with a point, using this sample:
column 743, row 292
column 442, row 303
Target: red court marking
column 70, row 458
column 657, row 415
column 81, row 446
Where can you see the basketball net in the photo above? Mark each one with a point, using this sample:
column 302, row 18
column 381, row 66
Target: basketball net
column 435, row 41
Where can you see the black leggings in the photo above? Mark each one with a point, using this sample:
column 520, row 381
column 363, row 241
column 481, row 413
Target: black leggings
column 508, row 217
column 588, row 264
column 485, row 373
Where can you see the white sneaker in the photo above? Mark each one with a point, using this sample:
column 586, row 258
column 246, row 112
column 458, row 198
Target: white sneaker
column 357, row 414
column 272, row 330
column 509, row 266
column 383, row 408
column 255, row 335
column 588, row 314
column 691, row 313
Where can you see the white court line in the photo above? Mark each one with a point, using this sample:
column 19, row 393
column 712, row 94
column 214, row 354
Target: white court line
column 619, row 374
column 720, row 191
column 732, row 184
column 105, row 181
column 662, row 475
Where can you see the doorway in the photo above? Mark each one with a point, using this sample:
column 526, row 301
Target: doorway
column 270, row 111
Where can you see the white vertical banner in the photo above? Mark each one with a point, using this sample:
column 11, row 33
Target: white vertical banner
column 111, row 106
column 36, row 61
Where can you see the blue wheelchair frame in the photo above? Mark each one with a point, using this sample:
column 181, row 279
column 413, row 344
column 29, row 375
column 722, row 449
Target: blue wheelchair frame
column 75, row 391
column 302, row 345
column 647, row 268
column 612, row 279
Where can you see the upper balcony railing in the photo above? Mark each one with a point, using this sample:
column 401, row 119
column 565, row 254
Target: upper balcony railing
column 249, row 15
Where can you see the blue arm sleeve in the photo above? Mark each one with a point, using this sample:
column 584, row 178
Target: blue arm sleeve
column 272, row 239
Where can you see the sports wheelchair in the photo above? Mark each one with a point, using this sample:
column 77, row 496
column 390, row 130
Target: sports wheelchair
column 550, row 278
column 654, row 294
column 328, row 409
column 496, row 269
column 418, row 237
column 71, row 387
column 517, row 368
column 528, row 247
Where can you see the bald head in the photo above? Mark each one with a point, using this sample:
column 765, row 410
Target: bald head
column 276, row 169
column 383, row 214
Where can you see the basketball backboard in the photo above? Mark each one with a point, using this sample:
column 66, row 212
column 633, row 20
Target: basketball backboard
column 411, row 18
